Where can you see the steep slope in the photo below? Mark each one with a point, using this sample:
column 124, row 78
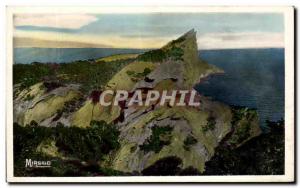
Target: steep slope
column 191, row 134
column 179, row 60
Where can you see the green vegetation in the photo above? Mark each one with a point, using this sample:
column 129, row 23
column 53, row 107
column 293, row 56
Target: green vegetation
column 91, row 145
column 48, row 107
column 241, row 122
column 117, row 57
column 262, row 155
column 189, row 141
column 130, row 73
column 124, row 78
column 137, row 76
column 179, row 40
column 28, row 97
column 241, row 134
column 238, row 113
column 160, row 55
column 92, row 148
column 87, row 144
column 89, row 74
column 175, row 53
column 210, row 125
column 28, row 75
column 92, row 76
column 153, row 56
column 160, row 136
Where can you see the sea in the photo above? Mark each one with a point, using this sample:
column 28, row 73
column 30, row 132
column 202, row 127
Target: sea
column 253, row 78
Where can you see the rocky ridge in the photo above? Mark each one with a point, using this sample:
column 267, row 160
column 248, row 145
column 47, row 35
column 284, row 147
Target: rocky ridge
column 148, row 134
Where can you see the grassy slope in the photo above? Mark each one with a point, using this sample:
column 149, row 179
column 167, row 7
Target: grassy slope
column 123, row 81
column 88, row 74
column 117, row 57
column 83, row 72
column 120, row 81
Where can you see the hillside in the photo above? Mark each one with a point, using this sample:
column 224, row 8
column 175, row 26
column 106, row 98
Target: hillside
column 57, row 112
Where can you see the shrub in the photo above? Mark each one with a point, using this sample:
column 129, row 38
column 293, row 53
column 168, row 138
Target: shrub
column 160, row 136
column 261, row 155
column 153, row 56
column 83, row 144
column 91, row 143
column 91, row 76
column 241, row 122
column 175, row 53
column 189, row 141
column 140, row 74
column 130, row 73
column 210, row 125
column 29, row 97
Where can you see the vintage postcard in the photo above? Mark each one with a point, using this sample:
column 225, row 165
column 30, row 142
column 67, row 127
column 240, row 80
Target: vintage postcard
column 150, row 94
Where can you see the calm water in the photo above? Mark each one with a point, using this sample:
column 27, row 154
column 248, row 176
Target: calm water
column 61, row 55
column 253, row 78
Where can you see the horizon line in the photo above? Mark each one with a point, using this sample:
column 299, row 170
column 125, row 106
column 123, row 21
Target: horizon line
column 275, row 47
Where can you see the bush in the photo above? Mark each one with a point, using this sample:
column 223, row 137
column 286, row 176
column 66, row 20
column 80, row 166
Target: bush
column 261, row 155
column 189, row 141
column 137, row 76
column 210, row 125
column 90, row 144
column 160, row 55
column 30, row 74
column 92, row 76
column 153, row 56
column 160, row 136
column 175, row 53
column 241, row 123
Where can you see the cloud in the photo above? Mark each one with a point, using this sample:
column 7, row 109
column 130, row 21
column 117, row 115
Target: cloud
column 32, row 42
column 241, row 40
column 66, row 21
column 205, row 41
column 106, row 40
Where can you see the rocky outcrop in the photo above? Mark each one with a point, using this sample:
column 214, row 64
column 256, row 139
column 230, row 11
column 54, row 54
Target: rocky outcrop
column 46, row 108
column 148, row 134
column 191, row 134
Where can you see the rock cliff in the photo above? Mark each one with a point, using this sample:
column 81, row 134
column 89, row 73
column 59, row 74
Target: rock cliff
column 148, row 134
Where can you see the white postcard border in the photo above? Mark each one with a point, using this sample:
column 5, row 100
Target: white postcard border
column 288, row 12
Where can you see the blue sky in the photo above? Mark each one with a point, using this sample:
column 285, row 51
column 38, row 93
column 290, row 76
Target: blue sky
column 214, row 30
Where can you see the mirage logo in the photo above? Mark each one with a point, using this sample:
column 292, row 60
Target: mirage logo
column 37, row 164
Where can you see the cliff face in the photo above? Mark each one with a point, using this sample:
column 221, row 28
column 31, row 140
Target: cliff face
column 181, row 62
column 191, row 134
column 147, row 134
